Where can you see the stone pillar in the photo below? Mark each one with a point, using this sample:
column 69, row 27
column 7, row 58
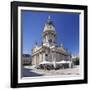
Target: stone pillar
column 52, row 56
column 43, row 56
column 69, row 65
column 40, row 57
column 34, row 60
column 54, row 59
column 37, row 59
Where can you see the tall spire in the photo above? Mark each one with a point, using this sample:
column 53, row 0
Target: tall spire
column 49, row 17
column 49, row 20
column 36, row 43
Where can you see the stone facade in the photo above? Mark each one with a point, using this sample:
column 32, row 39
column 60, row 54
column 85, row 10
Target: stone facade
column 49, row 50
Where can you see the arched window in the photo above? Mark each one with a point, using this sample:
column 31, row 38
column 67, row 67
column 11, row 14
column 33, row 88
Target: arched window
column 46, row 55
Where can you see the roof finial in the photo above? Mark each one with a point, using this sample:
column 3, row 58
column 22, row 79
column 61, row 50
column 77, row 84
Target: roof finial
column 49, row 17
column 36, row 43
column 61, row 45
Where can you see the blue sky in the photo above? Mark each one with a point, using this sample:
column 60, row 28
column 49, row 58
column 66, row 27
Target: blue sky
column 66, row 24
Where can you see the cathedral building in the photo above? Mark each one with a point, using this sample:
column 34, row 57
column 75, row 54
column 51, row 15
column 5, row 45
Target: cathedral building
column 49, row 51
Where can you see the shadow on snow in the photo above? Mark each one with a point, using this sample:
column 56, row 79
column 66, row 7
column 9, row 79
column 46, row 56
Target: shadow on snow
column 28, row 73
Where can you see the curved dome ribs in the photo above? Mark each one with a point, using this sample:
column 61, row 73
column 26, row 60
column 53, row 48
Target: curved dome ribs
column 49, row 26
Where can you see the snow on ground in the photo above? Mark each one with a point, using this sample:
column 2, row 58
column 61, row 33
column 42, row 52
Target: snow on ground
column 29, row 71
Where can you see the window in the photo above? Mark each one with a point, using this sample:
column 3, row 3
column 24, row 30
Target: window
column 46, row 54
column 50, row 40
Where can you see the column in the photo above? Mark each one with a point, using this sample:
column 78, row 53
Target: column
column 40, row 57
column 54, row 59
column 37, row 59
column 43, row 56
column 52, row 56
column 34, row 60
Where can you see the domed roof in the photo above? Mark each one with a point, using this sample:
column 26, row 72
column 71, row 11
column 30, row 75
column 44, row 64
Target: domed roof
column 49, row 25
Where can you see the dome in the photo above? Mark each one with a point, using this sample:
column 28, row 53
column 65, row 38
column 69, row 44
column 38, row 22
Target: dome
column 49, row 25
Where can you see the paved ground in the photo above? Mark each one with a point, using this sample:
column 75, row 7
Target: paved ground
column 30, row 72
